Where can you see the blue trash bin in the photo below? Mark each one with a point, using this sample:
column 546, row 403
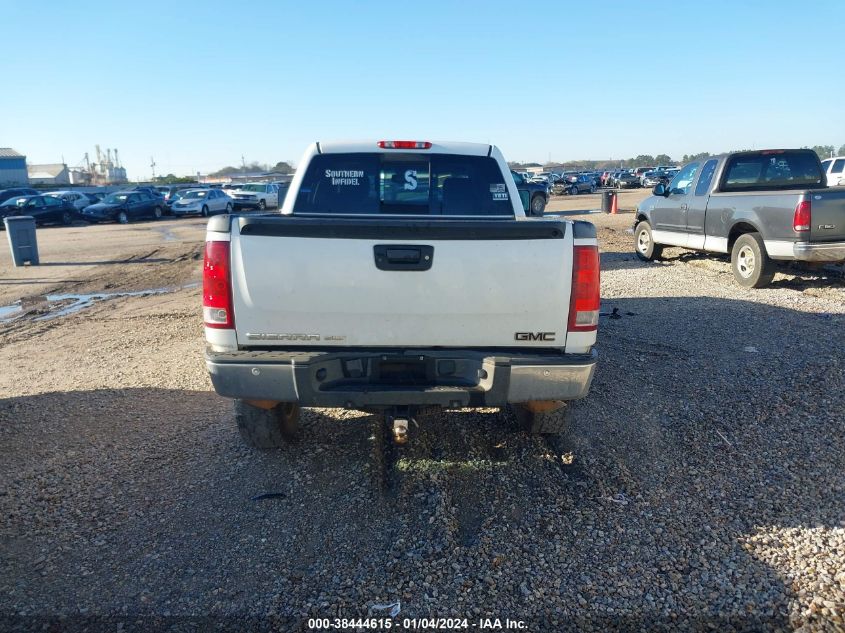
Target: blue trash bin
column 20, row 230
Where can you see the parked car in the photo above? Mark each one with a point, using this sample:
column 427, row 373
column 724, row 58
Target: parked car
column 16, row 192
column 125, row 206
column 639, row 172
column 379, row 321
column 575, row 185
column 834, row 169
column 605, row 178
column 534, row 195
column 653, row 178
column 204, row 202
column 759, row 206
column 256, row 195
column 45, row 209
column 169, row 191
column 96, row 196
column 230, row 188
column 77, row 199
column 627, row 180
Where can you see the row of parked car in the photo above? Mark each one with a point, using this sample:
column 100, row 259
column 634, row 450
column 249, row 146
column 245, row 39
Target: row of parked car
column 575, row 182
column 65, row 207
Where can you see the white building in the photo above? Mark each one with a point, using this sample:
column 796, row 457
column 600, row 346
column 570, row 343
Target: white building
column 51, row 174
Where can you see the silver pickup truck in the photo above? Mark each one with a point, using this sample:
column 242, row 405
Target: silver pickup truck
column 759, row 206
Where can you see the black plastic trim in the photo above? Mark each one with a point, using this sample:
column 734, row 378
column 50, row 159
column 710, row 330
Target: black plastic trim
column 584, row 230
column 410, row 229
column 412, row 257
column 319, row 149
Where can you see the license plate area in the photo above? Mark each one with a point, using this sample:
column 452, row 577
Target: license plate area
column 403, row 371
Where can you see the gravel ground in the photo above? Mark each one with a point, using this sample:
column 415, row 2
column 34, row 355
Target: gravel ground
column 701, row 485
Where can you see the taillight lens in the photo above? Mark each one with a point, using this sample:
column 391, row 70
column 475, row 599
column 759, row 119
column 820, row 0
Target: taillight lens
column 404, row 144
column 585, row 299
column 217, row 286
column 802, row 219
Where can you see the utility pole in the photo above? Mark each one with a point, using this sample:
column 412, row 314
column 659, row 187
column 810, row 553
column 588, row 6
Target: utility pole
column 243, row 164
column 153, row 167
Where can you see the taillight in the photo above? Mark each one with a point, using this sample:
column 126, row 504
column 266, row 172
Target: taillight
column 217, row 286
column 404, row 144
column 802, row 218
column 585, row 300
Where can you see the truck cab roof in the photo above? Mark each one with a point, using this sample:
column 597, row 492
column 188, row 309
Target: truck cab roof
column 437, row 147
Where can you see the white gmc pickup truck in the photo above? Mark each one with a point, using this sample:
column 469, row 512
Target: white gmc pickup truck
column 399, row 275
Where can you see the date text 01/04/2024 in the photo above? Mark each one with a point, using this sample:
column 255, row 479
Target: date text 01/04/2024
column 416, row 624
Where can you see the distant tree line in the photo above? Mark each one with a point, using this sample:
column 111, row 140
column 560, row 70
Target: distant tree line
column 647, row 160
column 170, row 179
column 282, row 167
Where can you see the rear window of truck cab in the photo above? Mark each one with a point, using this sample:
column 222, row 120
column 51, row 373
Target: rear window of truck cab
column 403, row 183
column 772, row 170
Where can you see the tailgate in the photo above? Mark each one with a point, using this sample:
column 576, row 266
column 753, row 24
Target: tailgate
column 827, row 215
column 337, row 282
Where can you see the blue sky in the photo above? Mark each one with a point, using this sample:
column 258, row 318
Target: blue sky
column 199, row 84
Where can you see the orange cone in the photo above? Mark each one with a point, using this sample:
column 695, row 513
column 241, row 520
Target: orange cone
column 614, row 204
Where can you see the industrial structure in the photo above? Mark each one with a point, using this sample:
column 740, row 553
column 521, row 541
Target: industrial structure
column 107, row 169
column 12, row 168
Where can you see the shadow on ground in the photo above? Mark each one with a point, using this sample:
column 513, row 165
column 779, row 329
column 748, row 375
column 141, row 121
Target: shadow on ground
column 142, row 502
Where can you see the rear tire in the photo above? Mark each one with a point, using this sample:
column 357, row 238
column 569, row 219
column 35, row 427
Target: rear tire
column 157, row 213
column 228, row 207
column 204, row 211
column 122, row 218
column 554, row 422
column 644, row 244
column 267, row 428
column 67, row 218
column 538, row 205
column 573, row 191
column 750, row 263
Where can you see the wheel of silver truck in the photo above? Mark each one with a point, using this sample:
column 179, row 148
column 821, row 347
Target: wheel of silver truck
column 538, row 205
column 751, row 265
column 644, row 244
column 550, row 422
column 262, row 205
column 267, row 427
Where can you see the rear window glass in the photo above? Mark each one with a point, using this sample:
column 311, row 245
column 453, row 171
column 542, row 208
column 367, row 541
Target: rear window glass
column 786, row 170
column 403, row 183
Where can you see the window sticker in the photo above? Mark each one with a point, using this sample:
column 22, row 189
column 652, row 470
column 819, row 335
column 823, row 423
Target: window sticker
column 498, row 187
column 497, row 195
column 410, row 179
column 344, row 177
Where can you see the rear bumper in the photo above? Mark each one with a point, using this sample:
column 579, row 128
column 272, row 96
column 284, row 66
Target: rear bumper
column 383, row 378
column 819, row 251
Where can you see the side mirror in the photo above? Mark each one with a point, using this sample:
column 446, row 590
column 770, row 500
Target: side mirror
column 660, row 190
